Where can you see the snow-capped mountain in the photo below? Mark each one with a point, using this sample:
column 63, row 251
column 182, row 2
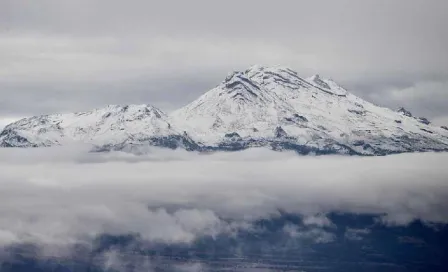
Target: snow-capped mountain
column 262, row 106
column 113, row 126
column 274, row 106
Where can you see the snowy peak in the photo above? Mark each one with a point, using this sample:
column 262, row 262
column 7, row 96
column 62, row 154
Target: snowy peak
column 239, row 103
column 327, row 85
column 109, row 125
column 278, row 72
column 238, row 87
column 316, row 79
column 275, row 77
column 237, row 93
column 275, row 106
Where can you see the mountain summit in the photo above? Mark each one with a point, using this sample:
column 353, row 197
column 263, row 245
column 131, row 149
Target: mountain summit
column 261, row 106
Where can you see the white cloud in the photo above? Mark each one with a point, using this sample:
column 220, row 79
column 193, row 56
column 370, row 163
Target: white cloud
column 59, row 196
column 317, row 235
column 356, row 234
column 319, row 220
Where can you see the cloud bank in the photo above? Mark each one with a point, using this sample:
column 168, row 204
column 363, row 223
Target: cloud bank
column 60, row 196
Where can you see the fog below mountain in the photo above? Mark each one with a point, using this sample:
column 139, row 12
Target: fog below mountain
column 60, row 196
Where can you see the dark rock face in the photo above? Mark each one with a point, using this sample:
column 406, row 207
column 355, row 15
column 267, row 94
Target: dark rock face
column 232, row 135
column 280, row 133
column 428, row 131
column 358, row 112
column 296, row 119
column 405, row 112
column 424, row 120
column 14, row 140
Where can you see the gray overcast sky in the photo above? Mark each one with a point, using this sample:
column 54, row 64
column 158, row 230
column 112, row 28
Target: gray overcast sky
column 59, row 55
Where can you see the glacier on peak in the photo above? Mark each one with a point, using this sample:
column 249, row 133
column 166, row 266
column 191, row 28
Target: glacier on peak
column 260, row 107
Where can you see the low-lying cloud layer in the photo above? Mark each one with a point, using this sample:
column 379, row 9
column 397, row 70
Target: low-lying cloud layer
column 59, row 196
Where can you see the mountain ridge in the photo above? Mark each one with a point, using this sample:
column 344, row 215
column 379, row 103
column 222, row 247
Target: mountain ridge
column 259, row 107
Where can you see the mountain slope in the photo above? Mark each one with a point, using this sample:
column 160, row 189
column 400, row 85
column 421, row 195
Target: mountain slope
column 111, row 126
column 236, row 105
column 311, row 113
column 262, row 106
